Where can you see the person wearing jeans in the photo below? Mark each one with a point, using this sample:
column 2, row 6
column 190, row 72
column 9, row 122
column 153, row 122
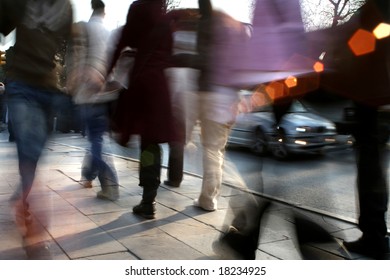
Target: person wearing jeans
column 96, row 122
column 33, row 93
column 29, row 110
column 88, row 55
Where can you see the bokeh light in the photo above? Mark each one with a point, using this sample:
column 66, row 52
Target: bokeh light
column 382, row 31
column 318, row 67
column 275, row 90
column 362, row 42
column 291, row 81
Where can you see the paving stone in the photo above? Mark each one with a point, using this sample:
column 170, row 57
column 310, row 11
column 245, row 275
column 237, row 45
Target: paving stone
column 83, row 240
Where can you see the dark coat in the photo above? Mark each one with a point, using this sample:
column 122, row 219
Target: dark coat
column 145, row 108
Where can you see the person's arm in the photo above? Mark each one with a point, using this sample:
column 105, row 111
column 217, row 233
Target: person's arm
column 117, row 51
column 129, row 31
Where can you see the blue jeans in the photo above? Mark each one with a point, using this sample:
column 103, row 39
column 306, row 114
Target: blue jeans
column 96, row 124
column 30, row 109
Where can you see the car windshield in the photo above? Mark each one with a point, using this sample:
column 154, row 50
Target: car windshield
column 297, row 107
column 255, row 100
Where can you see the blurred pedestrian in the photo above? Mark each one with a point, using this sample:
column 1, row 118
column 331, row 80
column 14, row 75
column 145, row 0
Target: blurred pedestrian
column 32, row 87
column 364, row 78
column 218, row 40
column 145, row 108
column 183, row 85
column 275, row 51
column 87, row 67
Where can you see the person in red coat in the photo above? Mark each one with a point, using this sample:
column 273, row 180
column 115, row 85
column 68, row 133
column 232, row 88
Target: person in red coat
column 145, row 108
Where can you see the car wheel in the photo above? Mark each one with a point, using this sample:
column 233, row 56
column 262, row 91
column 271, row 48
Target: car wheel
column 259, row 146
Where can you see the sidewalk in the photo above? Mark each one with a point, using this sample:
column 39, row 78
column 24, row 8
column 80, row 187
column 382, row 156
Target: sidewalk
column 80, row 226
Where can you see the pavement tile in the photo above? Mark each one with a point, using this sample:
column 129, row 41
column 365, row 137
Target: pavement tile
column 92, row 205
column 282, row 249
column 160, row 246
column 84, row 239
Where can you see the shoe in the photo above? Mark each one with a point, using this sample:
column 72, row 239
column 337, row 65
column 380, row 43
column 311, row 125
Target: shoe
column 209, row 209
column 86, row 183
column 236, row 244
column 146, row 210
column 171, row 184
column 22, row 216
column 111, row 193
column 38, row 251
column 373, row 249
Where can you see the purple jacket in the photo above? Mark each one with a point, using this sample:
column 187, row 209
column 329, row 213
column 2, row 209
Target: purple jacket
column 277, row 47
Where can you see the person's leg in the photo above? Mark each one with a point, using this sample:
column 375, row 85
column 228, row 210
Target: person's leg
column 175, row 164
column 176, row 78
column 88, row 169
column 371, row 184
column 97, row 124
column 29, row 124
column 149, row 178
column 214, row 139
column 28, row 113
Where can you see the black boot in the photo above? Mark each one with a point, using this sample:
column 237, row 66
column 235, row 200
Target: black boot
column 146, row 210
column 377, row 249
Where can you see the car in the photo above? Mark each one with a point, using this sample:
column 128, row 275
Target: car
column 299, row 131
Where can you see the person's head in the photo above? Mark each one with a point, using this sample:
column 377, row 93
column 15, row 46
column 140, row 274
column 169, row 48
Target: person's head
column 98, row 7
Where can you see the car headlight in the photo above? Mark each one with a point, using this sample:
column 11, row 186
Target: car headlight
column 331, row 127
column 303, row 129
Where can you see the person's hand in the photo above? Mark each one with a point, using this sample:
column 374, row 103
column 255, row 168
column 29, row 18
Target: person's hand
column 94, row 80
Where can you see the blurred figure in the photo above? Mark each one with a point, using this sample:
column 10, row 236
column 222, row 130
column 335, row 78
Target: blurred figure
column 218, row 40
column 183, row 85
column 363, row 77
column 32, row 90
column 275, row 51
column 367, row 82
column 176, row 147
column 87, row 70
column 371, row 185
column 145, row 108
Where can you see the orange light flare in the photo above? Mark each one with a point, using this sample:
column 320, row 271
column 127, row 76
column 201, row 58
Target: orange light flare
column 291, row 82
column 318, row 67
column 243, row 107
column 275, row 90
column 258, row 99
column 362, row 42
column 382, row 31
